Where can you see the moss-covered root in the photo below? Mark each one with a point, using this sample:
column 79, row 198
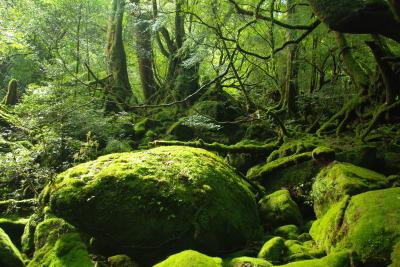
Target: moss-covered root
column 190, row 258
column 58, row 244
column 343, row 116
column 9, row 254
column 218, row 147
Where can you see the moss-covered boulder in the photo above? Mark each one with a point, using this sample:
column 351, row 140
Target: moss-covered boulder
column 273, row 250
column 190, row 258
column 14, row 227
column 289, row 231
column 340, row 259
column 9, row 254
column 57, row 243
column 246, row 262
column 395, row 257
column 121, row 261
column 339, row 179
column 279, row 209
column 368, row 224
column 153, row 203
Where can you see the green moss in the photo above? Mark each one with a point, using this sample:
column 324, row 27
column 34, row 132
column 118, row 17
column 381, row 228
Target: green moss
column 279, row 209
column 395, row 257
column 369, row 225
column 246, row 262
column 302, row 251
column 341, row 259
column 340, row 179
column 57, row 244
column 190, row 258
column 9, row 254
column 273, row 250
column 121, row 261
column 324, row 154
column 28, row 236
column 290, row 231
column 14, row 227
column 143, row 125
column 163, row 200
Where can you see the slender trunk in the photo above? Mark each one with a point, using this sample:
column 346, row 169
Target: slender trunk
column 119, row 90
column 314, row 70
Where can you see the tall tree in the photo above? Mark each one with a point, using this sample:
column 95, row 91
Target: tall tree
column 118, row 92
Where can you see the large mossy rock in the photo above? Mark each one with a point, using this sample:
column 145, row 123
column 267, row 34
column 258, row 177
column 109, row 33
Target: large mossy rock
column 190, row 258
column 9, row 254
column 340, row 259
column 339, row 179
column 157, row 202
column 57, row 243
column 368, row 224
column 279, row 209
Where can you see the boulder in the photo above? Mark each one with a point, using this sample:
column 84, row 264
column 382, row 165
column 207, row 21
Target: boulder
column 368, row 224
column 340, row 259
column 246, row 262
column 279, row 209
column 339, row 179
column 121, row 261
column 154, row 203
column 273, row 250
column 289, row 231
column 57, row 243
column 9, row 254
column 190, row 258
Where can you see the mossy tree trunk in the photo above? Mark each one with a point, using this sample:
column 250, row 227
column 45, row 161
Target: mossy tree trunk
column 290, row 89
column 358, row 16
column 118, row 92
column 11, row 97
column 145, row 54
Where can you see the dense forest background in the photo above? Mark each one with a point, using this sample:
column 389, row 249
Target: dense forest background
column 249, row 79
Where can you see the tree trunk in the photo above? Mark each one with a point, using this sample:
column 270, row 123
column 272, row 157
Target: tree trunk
column 291, row 66
column 358, row 16
column 11, row 97
column 145, row 55
column 352, row 68
column 118, row 92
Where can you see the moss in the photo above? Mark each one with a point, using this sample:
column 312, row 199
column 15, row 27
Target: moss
column 395, row 257
column 190, row 258
column 360, row 155
column 369, row 225
column 290, row 231
column 323, row 154
column 340, row 179
column 340, row 259
column 28, row 236
column 279, row 209
column 163, row 200
column 181, row 131
column 115, row 146
column 9, row 254
column 121, row 261
column 142, row 126
column 14, row 227
column 273, row 250
column 301, row 251
column 20, row 208
column 58, row 244
column 246, row 262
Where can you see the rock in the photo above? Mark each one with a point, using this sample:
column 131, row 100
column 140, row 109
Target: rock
column 323, row 155
column 28, row 236
column 58, row 244
column 121, row 261
column 190, row 258
column 9, row 254
column 273, row 250
column 290, row 231
column 153, row 203
column 340, row 259
column 279, row 209
column 14, row 227
column 339, row 179
column 368, row 224
column 247, row 262
column 301, row 251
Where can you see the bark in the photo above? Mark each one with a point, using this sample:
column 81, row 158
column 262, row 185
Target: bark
column 118, row 92
column 11, row 97
column 145, row 56
column 352, row 67
column 358, row 16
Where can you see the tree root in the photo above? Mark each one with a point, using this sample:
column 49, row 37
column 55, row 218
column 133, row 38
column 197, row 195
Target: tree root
column 218, row 147
column 381, row 111
column 344, row 115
